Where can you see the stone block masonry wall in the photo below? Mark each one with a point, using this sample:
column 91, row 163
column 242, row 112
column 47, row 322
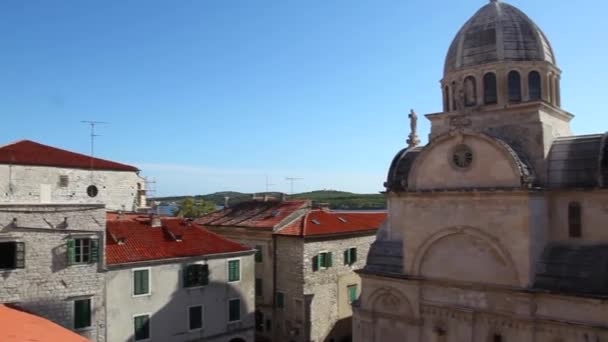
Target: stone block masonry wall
column 118, row 190
column 48, row 285
column 330, row 310
column 290, row 280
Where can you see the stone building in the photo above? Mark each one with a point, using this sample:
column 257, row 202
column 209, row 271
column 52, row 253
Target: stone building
column 51, row 263
column 35, row 173
column 496, row 228
column 171, row 280
column 305, row 279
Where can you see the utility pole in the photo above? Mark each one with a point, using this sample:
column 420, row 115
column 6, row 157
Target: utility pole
column 292, row 180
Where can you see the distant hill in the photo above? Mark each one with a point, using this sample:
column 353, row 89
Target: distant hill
column 335, row 199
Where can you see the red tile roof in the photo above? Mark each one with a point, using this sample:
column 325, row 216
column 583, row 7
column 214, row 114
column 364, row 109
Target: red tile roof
column 322, row 222
column 133, row 239
column 17, row 326
column 254, row 214
column 26, row 152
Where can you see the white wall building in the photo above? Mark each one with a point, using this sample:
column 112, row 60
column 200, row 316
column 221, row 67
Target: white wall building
column 171, row 280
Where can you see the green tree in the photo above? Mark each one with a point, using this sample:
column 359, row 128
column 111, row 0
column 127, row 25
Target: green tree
column 192, row 208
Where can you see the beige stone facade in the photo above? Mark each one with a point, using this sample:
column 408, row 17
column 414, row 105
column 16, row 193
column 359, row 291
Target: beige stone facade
column 495, row 228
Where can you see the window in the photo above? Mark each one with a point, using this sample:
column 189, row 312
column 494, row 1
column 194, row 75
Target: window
column 350, row 256
column 82, row 313
column 141, row 326
column 446, row 99
column 352, row 293
column 574, row 220
column 497, row 338
column 234, row 310
column 195, row 317
column 82, row 251
column 322, row 260
column 299, row 310
column 280, row 300
column 259, row 321
column 259, row 292
column 196, row 275
column 63, row 181
column 141, row 282
column 234, row 270
column 534, row 87
column 514, row 81
column 470, row 91
column 489, row 88
column 258, row 253
column 92, row 191
column 268, row 325
column 12, row 255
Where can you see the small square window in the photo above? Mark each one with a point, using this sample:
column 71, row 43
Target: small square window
column 12, row 255
column 82, row 251
column 141, row 325
column 82, row 313
column 234, row 310
column 196, row 275
column 322, row 260
column 280, row 300
column 64, row 181
column 258, row 254
column 195, row 317
column 352, row 293
column 350, row 256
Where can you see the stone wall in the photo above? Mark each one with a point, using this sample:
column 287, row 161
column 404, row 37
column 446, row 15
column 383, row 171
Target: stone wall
column 47, row 285
column 118, row 190
column 330, row 310
column 169, row 302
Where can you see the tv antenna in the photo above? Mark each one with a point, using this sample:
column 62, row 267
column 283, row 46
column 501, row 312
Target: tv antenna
column 92, row 125
column 268, row 184
column 292, row 180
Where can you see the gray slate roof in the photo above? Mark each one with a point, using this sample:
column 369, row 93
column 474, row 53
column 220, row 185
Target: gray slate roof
column 573, row 269
column 578, row 162
column 498, row 32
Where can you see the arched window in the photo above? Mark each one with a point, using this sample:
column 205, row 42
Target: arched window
column 453, row 94
column 470, row 91
column 574, row 220
column 514, row 86
column 446, row 99
column 534, row 86
column 489, row 88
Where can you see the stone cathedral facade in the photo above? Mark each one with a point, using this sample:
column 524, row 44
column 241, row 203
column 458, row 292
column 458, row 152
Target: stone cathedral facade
column 497, row 228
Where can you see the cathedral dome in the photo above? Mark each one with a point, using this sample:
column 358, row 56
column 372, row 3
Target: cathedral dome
column 498, row 32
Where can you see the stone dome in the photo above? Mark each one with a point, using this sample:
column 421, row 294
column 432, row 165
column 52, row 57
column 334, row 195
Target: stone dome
column 498, row 32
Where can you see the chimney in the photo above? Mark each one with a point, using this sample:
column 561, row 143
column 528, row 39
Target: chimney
column 226, row 200
column 265, row 197
column 155, row 221
column 120, row 215
column 283, row 197
column 322, row 205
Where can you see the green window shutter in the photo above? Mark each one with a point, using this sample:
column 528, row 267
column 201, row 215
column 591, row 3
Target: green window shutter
column 353, row 255
column 315, row 263
column 71, row 251
column 19, row 254
column 329, row 259
column 82, row 313
column 258, row 254
column 347, row 257
column 185, row 276
column 141, row 282
column 94, row 250
column 234, row 270
column 141, row 327
column 280, row 300
column 322, row 260
column 205, row 275
column 352, row 293
column 234, row 310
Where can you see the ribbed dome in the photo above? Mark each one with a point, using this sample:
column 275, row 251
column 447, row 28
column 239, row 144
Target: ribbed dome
column 497, row 32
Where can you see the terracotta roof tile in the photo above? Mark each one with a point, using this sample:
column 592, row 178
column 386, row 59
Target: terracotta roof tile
column 16, row 325
column 132, row 239
column 322, row 222
column 26, row 152
column 254, row 214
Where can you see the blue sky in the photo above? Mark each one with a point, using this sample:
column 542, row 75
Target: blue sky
column 216, row 95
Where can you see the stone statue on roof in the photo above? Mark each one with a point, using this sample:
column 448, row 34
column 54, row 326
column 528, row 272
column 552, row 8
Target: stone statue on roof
column 413, row 140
